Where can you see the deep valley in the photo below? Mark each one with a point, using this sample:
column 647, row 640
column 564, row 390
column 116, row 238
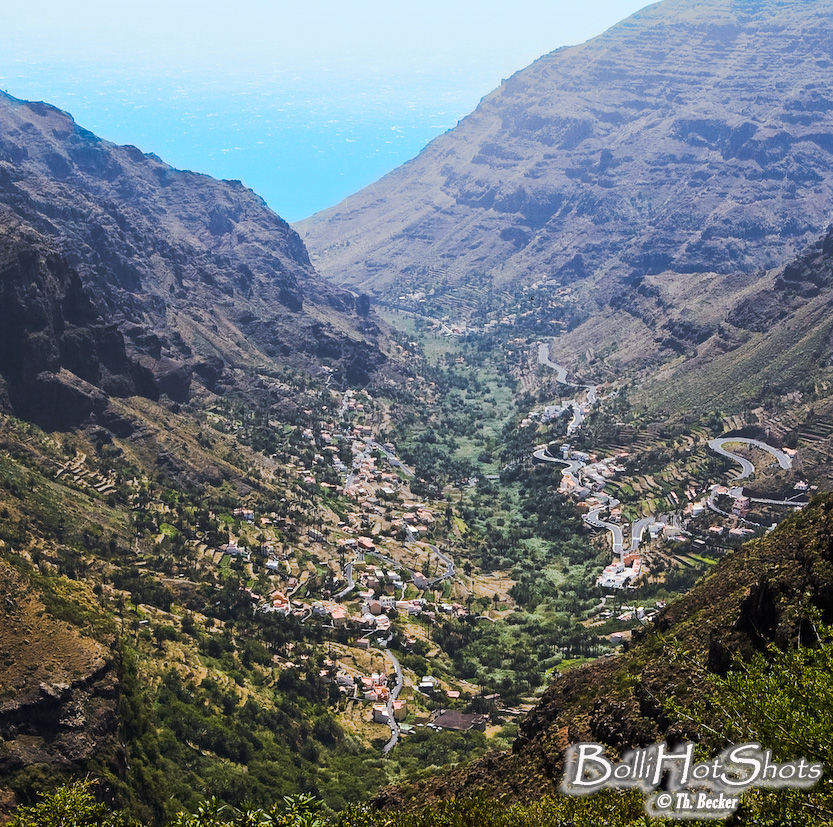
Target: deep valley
column 533, row 447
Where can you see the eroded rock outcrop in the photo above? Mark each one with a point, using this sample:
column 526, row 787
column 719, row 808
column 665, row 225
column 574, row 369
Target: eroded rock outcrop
column 144, row 279
column 58, row 688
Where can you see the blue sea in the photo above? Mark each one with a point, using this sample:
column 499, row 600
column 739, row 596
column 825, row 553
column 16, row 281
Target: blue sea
column 302, row 141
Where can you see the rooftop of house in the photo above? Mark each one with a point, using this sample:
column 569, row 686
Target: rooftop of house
column 460, row 721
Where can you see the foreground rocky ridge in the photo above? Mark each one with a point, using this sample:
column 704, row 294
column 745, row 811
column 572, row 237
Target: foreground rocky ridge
column 690, row 138
column 58, row 687
column 188, row 279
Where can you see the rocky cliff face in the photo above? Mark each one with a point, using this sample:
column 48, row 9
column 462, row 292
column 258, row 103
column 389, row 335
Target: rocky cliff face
column 58, row 359
column 169, row 278
column 690, row 138
column 58, row 688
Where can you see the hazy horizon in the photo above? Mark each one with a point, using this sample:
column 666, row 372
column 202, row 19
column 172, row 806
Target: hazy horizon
column 304, row 105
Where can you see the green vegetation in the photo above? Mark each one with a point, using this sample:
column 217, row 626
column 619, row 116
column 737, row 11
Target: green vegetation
column 73, row 804
column 779, row 699
column 510, row 523
column 217, row 700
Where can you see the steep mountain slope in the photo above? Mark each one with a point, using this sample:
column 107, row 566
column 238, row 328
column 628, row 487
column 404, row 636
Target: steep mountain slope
column 720, row 341
column 776, row 337
column 763, row 593
column 182, row 275
column 57, row 686
column 690, row 138
column 58, row 360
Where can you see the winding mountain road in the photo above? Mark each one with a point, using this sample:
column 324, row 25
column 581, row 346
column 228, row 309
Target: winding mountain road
column 394, row 694
column 561, row 377
column 617, row 536
column 747, row 468
column 578, row 417
column 449, row 572
column 544, row 359
column 351, row 583
column 572, row 466
column 637, row 530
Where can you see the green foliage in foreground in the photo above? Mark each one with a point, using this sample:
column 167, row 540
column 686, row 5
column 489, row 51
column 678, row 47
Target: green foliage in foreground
column 296, row 811
column 781, row 699
column 72, row 805
column 75, row 805
column 607, row 809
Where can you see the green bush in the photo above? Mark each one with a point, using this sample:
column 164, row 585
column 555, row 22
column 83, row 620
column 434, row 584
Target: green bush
column 72, row 805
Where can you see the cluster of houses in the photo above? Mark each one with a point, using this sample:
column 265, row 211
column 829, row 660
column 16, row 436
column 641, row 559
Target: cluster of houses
column 546, row 414
column 439, row 719
column 375, row 609
column 595, row 475
column 278, row 603
column 417, row 518
column 366, row 475
column 629, row 613
column 373, row 688
column 382, row 716
column 621, row 573
column 378, row 586
column 588, row 491
column 377, row 580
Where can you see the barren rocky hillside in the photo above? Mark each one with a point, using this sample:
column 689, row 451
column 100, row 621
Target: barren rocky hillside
column 189, row 279
column 690, row 138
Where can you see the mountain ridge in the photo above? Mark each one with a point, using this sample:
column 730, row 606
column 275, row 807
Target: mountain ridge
column 199, row 278
column 668, row 144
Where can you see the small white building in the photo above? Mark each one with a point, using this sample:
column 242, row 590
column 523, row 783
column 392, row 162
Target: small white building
column 428, row 683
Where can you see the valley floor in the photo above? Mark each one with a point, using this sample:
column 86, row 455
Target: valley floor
column 366, row 585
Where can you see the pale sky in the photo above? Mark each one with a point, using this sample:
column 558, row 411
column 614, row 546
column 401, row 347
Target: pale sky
column 340, row 35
